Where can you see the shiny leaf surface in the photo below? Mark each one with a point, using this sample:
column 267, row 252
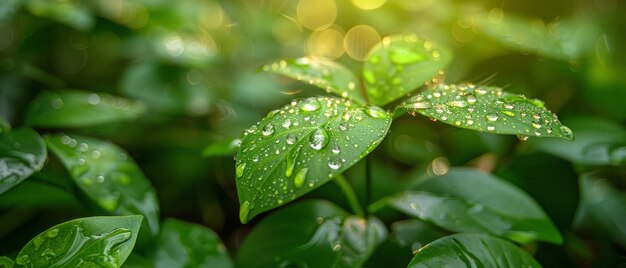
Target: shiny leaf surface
column 22, row 153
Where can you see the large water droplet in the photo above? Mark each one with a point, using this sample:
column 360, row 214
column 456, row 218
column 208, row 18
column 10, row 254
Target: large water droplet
column 420, row 104
column 535, row 125
column 268, row 130
column 287, row 123
column 291, row 139
column 291, row 163
column 310, row 105
column 336, row 149
column 567, row 132
column 522, row 137
column 300, row 178
column 240, row 169
column 471, row 99
column 376, row 112
column 244, row 210
column 318, row 139
column 492, row 117
column 405, row 55
column 458, row 103
column 335, row 163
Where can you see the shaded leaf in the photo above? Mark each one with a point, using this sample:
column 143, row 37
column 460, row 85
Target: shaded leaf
column 72, row 108
column 22, row 153
column 301, row 146
column 76, row 14
column 227, row 147
column 401, row 64
column 311, row 234
column 108, row 176
column 182, row 244
column 84, row 242
column 6, row 262
column 605, row 205
column 487, row 109
column 466, row 200
column 322, row 73
column 472, row 250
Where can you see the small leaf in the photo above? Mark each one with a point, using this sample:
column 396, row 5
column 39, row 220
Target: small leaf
column 487, row 109
column 466, row 200
column 72, row 108
column 76, row 14
column 108, row 176
column 401, row 64
column 6, row 262
column 227, row 147
column 311, row 234
column 472, row 250
column 85, row 242
column 302, row 146
column 605, row 205
column 22, row 153
column 325, row 74
column 182, row 244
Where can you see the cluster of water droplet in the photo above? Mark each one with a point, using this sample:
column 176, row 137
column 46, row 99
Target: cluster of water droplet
column 487, row 109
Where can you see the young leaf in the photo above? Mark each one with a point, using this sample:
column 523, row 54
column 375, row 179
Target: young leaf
column 472, row 250
column 6, row 262
column 466, row 200
column 84, row 242
column 311, row 234
column 182, row 244
column 605, row 205
column 71, row 108
column 401, row 64
column 22, row 153
column 108, row 176
column 325, row 74
column 302, row 146
column 487, row 109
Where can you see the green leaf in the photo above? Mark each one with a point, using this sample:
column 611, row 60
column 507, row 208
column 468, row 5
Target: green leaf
column 72, row 108
column 311, row 234
column 182, row 244
column 487, row 109
column 322, row 73
column 6, row 262
column 472, row 250
column 108, row 176
column 22, row 153
column 227, row 147
column 76, row 14
column 84, row 242
column 302, row 146
column 401, row 64
column 5, row 127
column 467, row 200
column 605, row 205
column 414, row 234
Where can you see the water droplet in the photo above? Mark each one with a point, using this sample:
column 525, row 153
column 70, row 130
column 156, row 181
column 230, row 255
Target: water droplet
column 56, row 103
column 567, row 132
column 318, row 139
column 342, row 126
column 268, row 130
column 508, row 106
column 420, row 104
column 491, row 128
column 334, row 163
column 100, row 179
column 93, row 99
column 509, row 113
column 244, row 210
column 376, row 112
column 404, row 55
column 458, row 103
column 291, row 139
column 310, row 105
column 522, row 137
column 351, row 86
column 337, row 246
column 336, row 149
column 300, row 178
column 535, row 125
column 471, row 99
column 287, row 124
column 240, row 169
column 492, row 117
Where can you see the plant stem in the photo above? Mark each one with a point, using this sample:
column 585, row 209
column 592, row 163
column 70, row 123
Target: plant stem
column 368, row 183
column 350, row 195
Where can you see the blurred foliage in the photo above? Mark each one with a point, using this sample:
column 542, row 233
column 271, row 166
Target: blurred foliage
column 184, row 75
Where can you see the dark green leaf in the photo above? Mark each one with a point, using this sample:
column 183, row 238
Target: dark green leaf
column 85, row 242
column 72, row 108
column 5, row 127
column 22, row 153
column 325, row 74
column 605, row 205
column 311, row 234
column 472, row 250
column 466, row 200
column 487, row 109
column 184, row 244
column 414, row 234
column 8, row 8
column 401, row 64
column 6, row 262
column 108, row 176
column 76, row 14
column 302, row 146
column 227, row 147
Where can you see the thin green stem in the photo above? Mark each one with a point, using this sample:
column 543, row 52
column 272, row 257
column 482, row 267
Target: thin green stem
column 350, row 195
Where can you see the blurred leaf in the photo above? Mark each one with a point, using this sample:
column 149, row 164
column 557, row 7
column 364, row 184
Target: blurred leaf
column 182, row 244
column 73, row 109
column 186, row 48
column 401, row 64
column 598, row 142
column 311, row 234
column 108, row 176
column 466, row 200
column 414, row 234
column 5, row 127
column 227, row 147
column 168, row 89
column 22, row 153
column 300, row 147
column 73, row 13
column 8, row 8
column 84, row 242
column 487, row 109
column 325, row 74
column 472, row 250
column 6, row 262
column 605, row 205
column 28, row 195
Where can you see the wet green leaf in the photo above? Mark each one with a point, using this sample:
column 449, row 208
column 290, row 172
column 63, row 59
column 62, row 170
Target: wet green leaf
column 108, row 176
column 605, row 205
column 325, row 74
column 472, row 250
column 467, row 200
column 22, row 153
column 487, row 109
column 85, row 242
column 311, row 234
column 74, row 13
column 6, row 262
column 300, row 147
column 401, row 64
column 72, row 108
column 182, row 244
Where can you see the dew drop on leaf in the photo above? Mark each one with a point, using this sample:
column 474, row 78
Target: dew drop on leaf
column 522, row 137
column 291, row 139
column 376, row 112
column 240, row 169
column 300, row 178
column 268, row 130
column 318, row 139
column 334, row 163
column 310, row 105
column 404, row 55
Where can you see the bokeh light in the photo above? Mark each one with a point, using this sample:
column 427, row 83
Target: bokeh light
column 359, row 40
